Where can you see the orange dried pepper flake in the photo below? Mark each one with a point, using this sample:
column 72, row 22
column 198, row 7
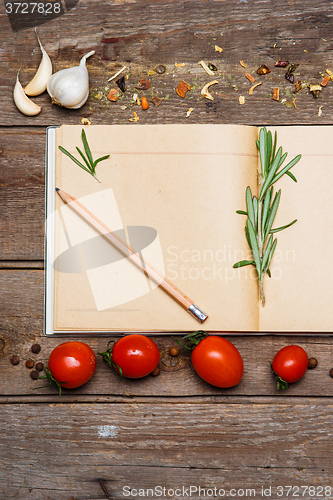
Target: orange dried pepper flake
column 143, row 85
column 276, row 94
column 254, row 86
column 250, row 77
column 144, row 103
column 325, row 81
column 182, row 88
column 113, row 95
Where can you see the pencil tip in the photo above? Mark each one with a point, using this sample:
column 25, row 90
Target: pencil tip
column 57, row 189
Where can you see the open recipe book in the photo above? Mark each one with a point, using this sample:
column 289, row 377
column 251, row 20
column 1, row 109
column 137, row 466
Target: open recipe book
column 171, row 192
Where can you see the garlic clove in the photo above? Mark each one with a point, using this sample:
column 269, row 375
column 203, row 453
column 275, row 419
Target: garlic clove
column 39, row 82
column 70, row 87
column 23, row 103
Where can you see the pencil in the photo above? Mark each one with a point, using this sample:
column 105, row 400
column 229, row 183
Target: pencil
column 112, row 238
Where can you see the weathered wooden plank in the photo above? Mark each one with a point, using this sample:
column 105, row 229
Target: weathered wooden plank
column 22, row 325
column 22, row 159
column 141, row 34
column 64, row 450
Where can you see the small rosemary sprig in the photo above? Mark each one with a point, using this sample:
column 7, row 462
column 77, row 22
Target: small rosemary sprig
column 261, row 211
column 90, row 166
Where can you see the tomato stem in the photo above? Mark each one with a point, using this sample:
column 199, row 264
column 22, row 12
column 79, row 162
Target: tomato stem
column 192, row 339
column 48, row 375
column 107, row 358
column 281, row 384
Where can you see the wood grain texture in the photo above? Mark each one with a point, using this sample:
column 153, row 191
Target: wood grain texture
column 22, row 325
column 63, row 450
column 22, row 161
column 141, row 35
column 173, row 430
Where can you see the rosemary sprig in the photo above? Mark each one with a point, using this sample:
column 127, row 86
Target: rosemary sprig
column 261, row 211
column 90, row 164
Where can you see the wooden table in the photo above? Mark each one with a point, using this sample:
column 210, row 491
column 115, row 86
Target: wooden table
column 173, row 430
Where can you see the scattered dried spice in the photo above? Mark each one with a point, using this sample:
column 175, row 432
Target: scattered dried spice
column 156, row 372
column 289, row 73
column 174, row 351
column 85, row 121
column 294, row 103
column 39, row 366
column 29, row 363
column 182, row 88
column 331, row 372
column 250, row 77
column 254, row 86
column 263, row 70
column 205, row 67
column 281, row 64
column 189, row 111
column 242, row 63
column 298, row 86
column 212, row 66
column 136, row 99
column 315, row 90
column 15, row 360
column 204, row 90
column 143, row 85
column 218, row 49
column 160, row 69
column 35, row 348
column 135, row 118
column 241, row 99
column 276, row 94
column 180, row 65
column 312, row 363
column 156, row 100
column 320, row 110
column 121, row 84
column 34, row 375
column 118, row 73
column 325, row 81
column 144, row 103
column 330, row 73
column 289, row 104
column 113, row 95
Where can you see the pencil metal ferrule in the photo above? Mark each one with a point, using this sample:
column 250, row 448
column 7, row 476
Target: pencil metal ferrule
column 199, row 315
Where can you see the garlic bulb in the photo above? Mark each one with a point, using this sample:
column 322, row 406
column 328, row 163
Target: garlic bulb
column 70, row 87
column 39, row 82
column 23, row 103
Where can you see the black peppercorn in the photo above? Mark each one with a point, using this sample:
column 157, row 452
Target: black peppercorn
column 39, row 366
column 174, row 351
column 15, row 360
column 160, row 69
column 34, row 375
column 156, row 371
column 29, row 363
column 312, row 363
column 35, row 348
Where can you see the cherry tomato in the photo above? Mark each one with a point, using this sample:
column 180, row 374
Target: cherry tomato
column 218, row 362
column 290, row 364
column 72, row 364
column 136, row 355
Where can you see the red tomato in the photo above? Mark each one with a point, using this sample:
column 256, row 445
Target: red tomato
column 218, row 362
column 290, row 363
column 72, row 364
column 136, row 355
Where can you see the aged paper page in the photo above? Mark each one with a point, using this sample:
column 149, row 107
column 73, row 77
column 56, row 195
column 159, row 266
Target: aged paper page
column 171, row 191
column 299, row 295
